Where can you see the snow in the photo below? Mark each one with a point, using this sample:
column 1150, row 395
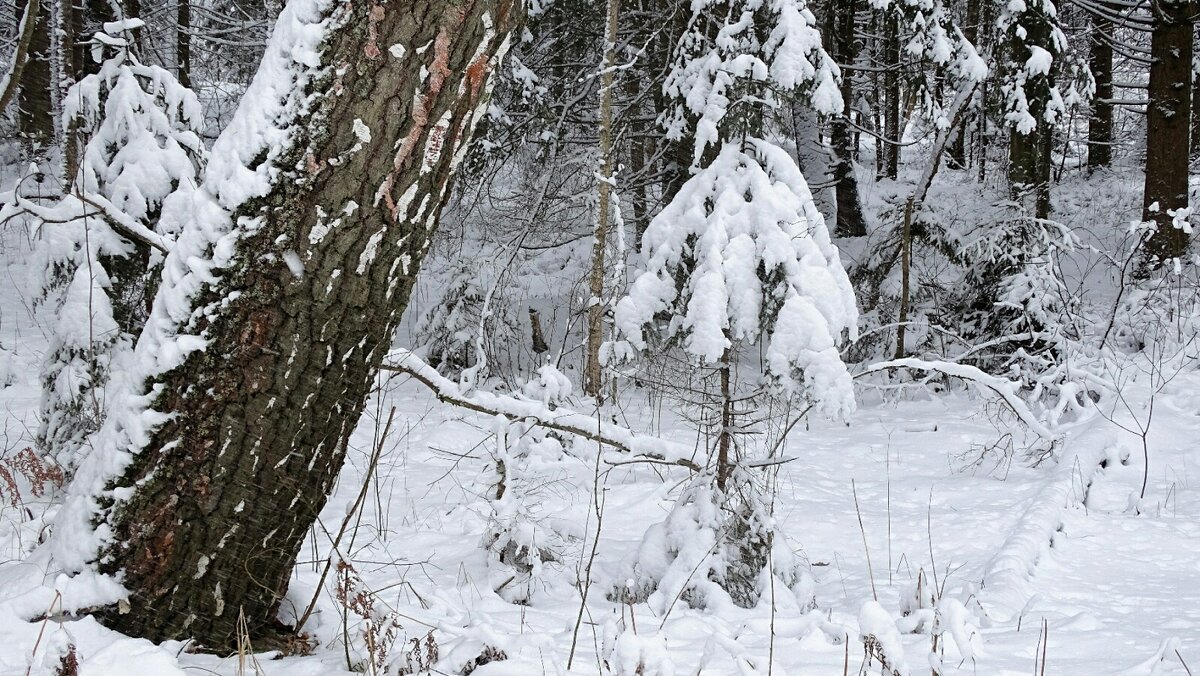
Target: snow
column 1112, row 585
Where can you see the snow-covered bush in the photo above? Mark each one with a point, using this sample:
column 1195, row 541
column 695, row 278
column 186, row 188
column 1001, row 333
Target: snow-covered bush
column 881, row 639
column 742, row 255
column 713, row 551
column 518, row 542
column 631, row 654
column 1022, row 320
column 739, row 257
column 101, row 244
column 447, row 331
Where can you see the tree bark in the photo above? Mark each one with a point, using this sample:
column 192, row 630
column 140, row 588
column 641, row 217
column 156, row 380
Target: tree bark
column 216, row 503
column 1195, row 152
column 725, row 434
column 812, row 156
column 1100, row 125
column 35, row 116
column 80, row 19
column 27, row 21
column 1029, row 153
column 891, row 97
column 1168, row 118
column 594, row 380
column 850, row 220
column 183, row 42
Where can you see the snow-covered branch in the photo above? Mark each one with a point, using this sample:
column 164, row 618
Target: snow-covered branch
column 114, row 217
column 1005, row 389
column 559, row 419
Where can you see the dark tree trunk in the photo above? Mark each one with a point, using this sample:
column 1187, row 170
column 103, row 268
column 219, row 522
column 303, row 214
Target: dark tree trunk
column 183, row 42
column 222, row 495
column 1029, row 168
column 80, row 19
column 891, row 97
column 958, row 155
column 1168, row 118
column 1100, row 125
column 1029, row 153
column 1196, row 104
column 35, row 114
column 850, row 220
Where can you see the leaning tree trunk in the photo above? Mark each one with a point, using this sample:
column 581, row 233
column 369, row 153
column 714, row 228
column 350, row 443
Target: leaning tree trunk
column 321, row 228
column 1168, row 117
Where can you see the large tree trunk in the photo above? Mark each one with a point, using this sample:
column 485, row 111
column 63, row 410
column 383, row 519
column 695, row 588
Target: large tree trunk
column 35, row 117
column 850, row 220
column 891, row 97
column 1029, row 153
column 206, row 511
column 1168, row 118
column 1100, row 125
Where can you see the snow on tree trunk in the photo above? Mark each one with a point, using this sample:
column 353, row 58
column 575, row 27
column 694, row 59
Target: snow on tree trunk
column 277, row 304
column 1032, row 100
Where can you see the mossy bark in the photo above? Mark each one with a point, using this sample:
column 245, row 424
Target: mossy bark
column 221, row 499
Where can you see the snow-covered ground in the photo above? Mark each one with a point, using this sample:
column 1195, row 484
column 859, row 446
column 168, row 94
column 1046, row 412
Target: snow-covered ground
column 900, row 504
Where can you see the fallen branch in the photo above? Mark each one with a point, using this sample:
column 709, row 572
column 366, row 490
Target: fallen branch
column 1005, row 389
column 559, row 419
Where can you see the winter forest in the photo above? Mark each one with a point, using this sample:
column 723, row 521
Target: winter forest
column 616, row 337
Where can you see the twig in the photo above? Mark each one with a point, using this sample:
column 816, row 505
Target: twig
column 587, row 581
column 358, row 501
column 862, row 529
column 1185, row 666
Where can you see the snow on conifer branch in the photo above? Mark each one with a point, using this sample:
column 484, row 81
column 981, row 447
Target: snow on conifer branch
column 737, row 54
column 743, row 254
column 103, row 242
